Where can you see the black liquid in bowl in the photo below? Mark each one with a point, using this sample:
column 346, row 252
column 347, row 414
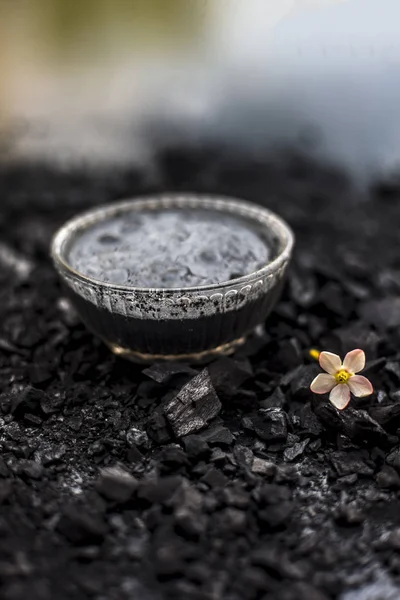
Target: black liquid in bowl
column 173, row 276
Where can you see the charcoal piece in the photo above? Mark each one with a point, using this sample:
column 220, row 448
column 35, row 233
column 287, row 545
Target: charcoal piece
column 263, row 467
column 388, row 478
column 137, row 437
column 29, row 469
column 39, row 374
column 302, row 591
column 6, row 488
column 303, row 288
column 276, row 400
column 276, row 563
column 81, row 527
column 214, row 478
column 387, row 415
column 393, row 368
column 32, row 420
column 393, row 459
column 4, row 470
column 349, row 515
column 51, row 456
column 173, row 457
column 157, row 428
column 382, row 314
column 194, row 406
column 309, row 423
column 270, row 424
column 187, row 505
column 158, row 491
column 275, row 506
column 163, row 372
column 52, row 403
column 195, row 446
column 301, row 380
column 347, row 463
column 227, row 375
column 232, row 520
column 217, row 435
column 116, row 484
column 356, row 424
column 296, row 450
column 356, row 335
column 25, row 401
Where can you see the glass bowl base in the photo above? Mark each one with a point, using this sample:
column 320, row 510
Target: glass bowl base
column 197, row 357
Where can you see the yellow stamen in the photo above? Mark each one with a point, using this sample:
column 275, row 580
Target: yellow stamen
column 315, row 353
column 342, row 376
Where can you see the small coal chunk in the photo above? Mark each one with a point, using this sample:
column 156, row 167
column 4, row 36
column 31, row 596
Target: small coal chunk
column 347, row 463
column 29, row 469
column 349, row 515
column 137, row 437
column 214, row 478
column 393, row 368
column 157, row 428
column 309, row 422
column 387, row 415
column 195, row 446
column 116, row 484
column 276, row 400
column 393, row 458
column 276, row 563
column 25, row 401
column 81, row 527
column 358, row 425
column 194, row 406
column 5, row 490
column 51, row 456
column 217, row 435
column 388, row 478
column 271, row 424
column 300, row 383
column 263, row 467
column 383, row 314
column 158, row 491
column 39, row 374
column 163, row 372
column 227, row 375
column 275, row 505
column 296, row 450
column 4, row 470
column 52, row 403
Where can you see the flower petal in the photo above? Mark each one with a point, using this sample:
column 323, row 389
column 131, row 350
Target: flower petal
column 323, row 383
column 340, row 396
column 360, row 386
column 330, row 363
column 354, row 361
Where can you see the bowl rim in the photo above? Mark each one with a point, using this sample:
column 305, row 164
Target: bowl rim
column 185, row 200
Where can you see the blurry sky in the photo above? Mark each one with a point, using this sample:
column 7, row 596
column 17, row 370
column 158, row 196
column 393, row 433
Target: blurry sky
column 261, row 71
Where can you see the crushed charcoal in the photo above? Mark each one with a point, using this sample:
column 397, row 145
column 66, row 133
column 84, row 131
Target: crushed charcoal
column 194, row 406
column 108, row 491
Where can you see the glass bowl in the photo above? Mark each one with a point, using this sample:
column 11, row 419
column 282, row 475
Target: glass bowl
column 186, row 323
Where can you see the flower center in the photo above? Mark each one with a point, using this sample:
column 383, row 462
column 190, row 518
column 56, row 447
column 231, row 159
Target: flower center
column 342, row 376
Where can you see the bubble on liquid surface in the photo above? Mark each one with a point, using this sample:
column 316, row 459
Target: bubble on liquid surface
column 169, row 248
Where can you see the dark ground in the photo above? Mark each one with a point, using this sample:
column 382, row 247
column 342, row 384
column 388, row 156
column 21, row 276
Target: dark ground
column 281, row 496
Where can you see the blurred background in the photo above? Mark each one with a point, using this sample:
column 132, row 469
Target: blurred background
column 99, row 81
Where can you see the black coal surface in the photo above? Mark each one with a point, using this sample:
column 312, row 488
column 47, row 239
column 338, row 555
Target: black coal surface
column 225, row 482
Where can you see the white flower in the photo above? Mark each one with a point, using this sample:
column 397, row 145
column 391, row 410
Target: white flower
column 340, row 378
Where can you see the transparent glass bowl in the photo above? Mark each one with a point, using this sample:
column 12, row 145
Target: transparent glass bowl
column 190, row 323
